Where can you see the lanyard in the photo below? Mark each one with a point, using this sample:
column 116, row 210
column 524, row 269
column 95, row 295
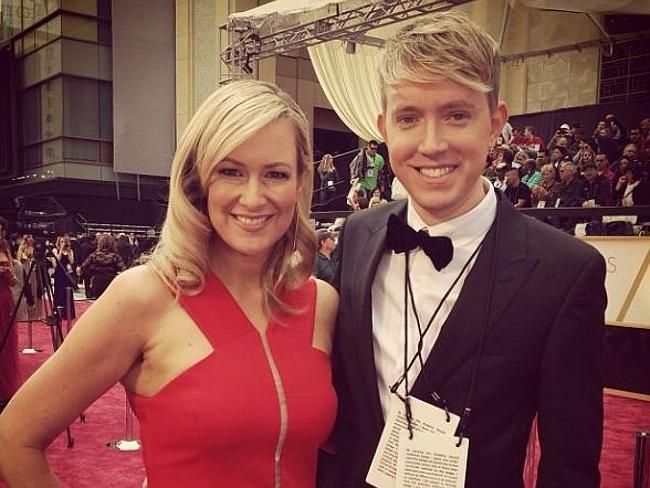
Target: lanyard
column 407, row 365
column 408, row 296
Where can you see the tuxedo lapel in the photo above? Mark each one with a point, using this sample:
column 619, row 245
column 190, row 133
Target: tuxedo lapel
column 459, row 335
column 368, row 252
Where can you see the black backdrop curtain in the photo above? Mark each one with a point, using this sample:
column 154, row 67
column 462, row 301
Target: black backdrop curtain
column 546, row 123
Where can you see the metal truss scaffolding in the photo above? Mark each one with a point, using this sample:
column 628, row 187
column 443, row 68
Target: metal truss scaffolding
column 248, row 45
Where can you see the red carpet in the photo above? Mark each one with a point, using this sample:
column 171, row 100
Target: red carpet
column 91, row 464
column 623, row 417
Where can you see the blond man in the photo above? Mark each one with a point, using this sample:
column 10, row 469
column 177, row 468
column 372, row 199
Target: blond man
column 495, row 322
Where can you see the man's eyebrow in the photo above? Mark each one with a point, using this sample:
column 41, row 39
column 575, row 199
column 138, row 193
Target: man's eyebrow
column 407, row 108
column 453, row 105
column 458, row 105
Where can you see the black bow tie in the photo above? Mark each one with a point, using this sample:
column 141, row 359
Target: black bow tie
column 401, row 238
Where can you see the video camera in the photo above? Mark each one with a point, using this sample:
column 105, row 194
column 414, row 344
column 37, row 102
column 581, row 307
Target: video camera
column 40, row 231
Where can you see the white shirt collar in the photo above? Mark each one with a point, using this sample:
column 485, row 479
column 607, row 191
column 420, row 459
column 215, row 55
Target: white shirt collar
column 464, row 228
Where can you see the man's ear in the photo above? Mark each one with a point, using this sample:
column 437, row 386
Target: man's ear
column 498, row 117
column 381, row 126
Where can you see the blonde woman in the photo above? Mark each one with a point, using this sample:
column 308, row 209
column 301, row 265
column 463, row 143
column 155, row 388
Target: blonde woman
column 222, row 340
column 548, row 190
column 26, row 248
column 328, row 178
column 32, row 305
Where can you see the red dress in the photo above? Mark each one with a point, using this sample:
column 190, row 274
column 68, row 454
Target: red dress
column 251, row 414
column 9, row 377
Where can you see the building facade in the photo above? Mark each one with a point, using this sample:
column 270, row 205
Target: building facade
column 56, row 127
column 73, row 129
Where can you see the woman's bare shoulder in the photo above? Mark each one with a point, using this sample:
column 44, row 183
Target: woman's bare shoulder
column 141, row 286
column 327, row 298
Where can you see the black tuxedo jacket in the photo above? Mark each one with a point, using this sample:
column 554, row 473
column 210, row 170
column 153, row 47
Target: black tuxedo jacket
column 541, row 353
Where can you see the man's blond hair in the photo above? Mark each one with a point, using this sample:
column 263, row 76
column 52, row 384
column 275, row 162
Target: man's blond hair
column 442, row 45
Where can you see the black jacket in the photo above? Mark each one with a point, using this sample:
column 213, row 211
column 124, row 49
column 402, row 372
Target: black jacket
column 325, row 268
column 541, row 357
column 599, row 190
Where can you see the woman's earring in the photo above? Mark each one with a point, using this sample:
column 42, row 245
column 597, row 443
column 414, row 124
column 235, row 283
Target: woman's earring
column 295, row 229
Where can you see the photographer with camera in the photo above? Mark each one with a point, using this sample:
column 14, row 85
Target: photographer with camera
column 562, row 131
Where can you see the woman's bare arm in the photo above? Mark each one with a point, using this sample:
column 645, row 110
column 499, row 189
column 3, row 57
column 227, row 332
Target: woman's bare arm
column 327, row 305
column 100, row 350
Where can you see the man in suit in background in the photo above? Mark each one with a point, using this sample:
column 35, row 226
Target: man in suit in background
column 520, row 305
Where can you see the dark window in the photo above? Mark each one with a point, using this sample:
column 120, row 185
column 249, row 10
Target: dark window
column 30, row 111
column 625, row 74
column 80, row 107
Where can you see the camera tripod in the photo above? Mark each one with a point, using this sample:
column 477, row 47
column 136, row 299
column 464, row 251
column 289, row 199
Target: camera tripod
column 38, row 268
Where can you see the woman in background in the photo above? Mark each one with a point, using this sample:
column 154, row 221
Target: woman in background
column 33, row 299
column 376, row 198
column 630, row 188
column 102, row 266
column 547, row 190
column 9, row 379
column 328, row 179
column 63, row 261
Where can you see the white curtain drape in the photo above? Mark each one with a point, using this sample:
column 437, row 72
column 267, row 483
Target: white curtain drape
column 351, row 84
column 637, row 7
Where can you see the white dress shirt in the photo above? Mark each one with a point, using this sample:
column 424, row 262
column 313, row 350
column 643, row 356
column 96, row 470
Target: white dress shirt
column 429, row 286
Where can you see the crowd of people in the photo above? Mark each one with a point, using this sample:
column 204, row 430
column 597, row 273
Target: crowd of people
column 89, row 261
column 34, row 270
column 609, row 166
column 37, row 270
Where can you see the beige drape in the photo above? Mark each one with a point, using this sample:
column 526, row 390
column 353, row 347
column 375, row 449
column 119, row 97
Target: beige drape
column 351, row 84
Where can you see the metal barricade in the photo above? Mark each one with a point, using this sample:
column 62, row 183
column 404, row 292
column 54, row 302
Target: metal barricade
column 30, row 349
column 69, row 303
column 130, row 442
column 642, row 461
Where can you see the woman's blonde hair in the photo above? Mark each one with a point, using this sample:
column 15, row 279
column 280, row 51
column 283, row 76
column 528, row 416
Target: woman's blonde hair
column 26, row 247
column 549, row 168
column 230, row 116
column 442, row 45
column 326, row 164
